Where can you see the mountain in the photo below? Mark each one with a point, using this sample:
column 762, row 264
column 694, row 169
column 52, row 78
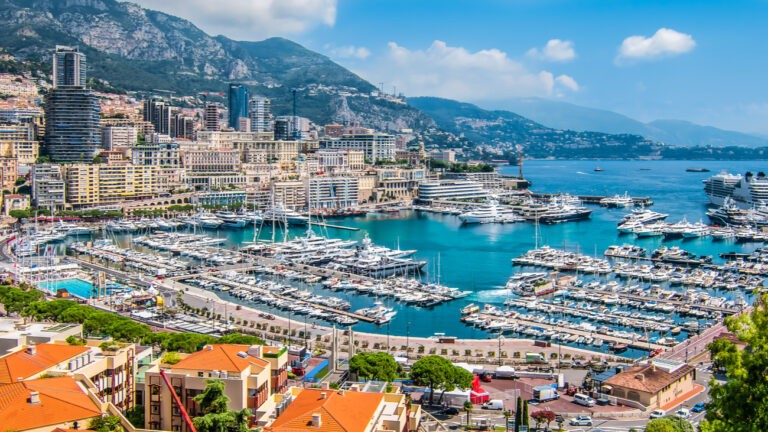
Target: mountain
column 506, row 130
column 563, row 115
column 144, row 50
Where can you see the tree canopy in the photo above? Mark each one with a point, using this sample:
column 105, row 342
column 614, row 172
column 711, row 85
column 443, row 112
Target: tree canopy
column 31, row 303
column 741, row 403
column 669, row 424
column 378, row 366
column 216, row 415
column 436, row 372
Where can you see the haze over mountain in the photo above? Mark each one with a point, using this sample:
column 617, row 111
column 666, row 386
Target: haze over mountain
column 563, row 115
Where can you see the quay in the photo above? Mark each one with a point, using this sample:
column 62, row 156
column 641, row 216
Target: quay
column 595, row 199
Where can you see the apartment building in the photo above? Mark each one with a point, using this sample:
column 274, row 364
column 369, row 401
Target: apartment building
column 9, row 172
column 100, row 184
column 332, row 192
column 333, row 161
column 18, row 141
column 375, row 146
column 47, row 183
column 246, row 371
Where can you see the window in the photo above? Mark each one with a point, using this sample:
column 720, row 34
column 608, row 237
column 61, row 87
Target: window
column 154, row 408
column 201, row 374
column 155, row 390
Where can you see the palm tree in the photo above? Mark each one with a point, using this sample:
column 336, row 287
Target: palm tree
column 468, row 409
column 507, row 414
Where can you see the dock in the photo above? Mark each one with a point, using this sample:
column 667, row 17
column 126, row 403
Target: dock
column 339, row 227
column 250, row 288
column 643, row 345
column 595, row 199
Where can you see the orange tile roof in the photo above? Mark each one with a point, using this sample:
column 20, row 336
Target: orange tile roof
column 20, row 364
column 221, row 357
column 647, row 378
column 61, row 400
column 347, row 412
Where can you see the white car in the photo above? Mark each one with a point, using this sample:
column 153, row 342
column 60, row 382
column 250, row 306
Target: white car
column 683, row 413
column 582, row 420
column 658, row 414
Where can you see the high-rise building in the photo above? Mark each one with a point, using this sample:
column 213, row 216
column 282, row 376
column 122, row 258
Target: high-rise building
column 68, row 67
column 238, row 104
column 72, row 124
column 211, row 116
column 71, row 111
column 260, row 115
column 159, row 113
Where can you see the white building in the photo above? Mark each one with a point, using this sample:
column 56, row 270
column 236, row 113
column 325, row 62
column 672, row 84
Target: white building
column 118, row 136
column 333, row 192
column 375, row 146
column 450, row 189
column 259, row 114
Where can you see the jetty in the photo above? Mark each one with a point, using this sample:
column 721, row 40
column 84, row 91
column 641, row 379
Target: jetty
column 595, row 199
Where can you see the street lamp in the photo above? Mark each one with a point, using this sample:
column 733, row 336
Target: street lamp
column 500, row 337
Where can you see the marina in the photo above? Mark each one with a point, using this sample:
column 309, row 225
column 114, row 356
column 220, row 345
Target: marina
column 474, row 257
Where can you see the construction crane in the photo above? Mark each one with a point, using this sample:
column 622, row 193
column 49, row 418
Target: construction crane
column 184, row 414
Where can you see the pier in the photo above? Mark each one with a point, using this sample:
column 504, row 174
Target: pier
column 595, row 199
column 233, row 284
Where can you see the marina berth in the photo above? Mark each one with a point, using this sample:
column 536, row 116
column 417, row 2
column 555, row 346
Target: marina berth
column 618, row 201
column 491, row 212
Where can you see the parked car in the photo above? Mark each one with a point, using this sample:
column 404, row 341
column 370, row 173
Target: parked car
column 683, row 413
column 451, row 411
column 699, row 407
column 581, row 420
column 658, row 414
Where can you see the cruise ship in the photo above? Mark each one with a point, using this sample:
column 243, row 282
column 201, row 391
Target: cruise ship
column 747, row 191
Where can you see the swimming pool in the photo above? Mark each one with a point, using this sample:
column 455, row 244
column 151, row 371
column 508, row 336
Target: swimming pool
column 76, row 287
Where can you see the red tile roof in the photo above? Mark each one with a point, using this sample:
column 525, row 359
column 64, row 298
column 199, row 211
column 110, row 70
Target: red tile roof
column 21, row 364
column 61, row 400
column 221, row 357
column 339, row 411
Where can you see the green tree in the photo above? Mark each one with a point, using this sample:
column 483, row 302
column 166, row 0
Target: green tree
column 740, row 404
column 106, row 424
column 20, row 214
column 436, row 372
column 518, row 414
column 661, row 425
column 240, row 339
column 378, row 366
column 135, row 415
column 216, row 415
column 525, row 417
column 468, row 409
column 507, row 415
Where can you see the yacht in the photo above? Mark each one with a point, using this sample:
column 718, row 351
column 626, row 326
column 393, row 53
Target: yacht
column 618, row 201
column 643, row 216
column 279, row 213
column 231, row 219
column 491, row 212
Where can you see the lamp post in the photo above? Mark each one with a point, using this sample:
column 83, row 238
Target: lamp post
column 500, row 349
column 407, row 338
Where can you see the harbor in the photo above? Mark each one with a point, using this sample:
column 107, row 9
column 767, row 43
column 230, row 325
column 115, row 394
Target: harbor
column 445, row 251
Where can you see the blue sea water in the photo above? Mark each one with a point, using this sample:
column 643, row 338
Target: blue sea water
column 478, row 258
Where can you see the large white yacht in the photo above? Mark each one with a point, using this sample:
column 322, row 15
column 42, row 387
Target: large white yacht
column 491, row 212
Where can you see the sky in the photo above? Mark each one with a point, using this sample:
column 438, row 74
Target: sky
column 701, row 61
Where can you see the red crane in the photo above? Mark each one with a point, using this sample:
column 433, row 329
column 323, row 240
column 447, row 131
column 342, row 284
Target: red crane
column 187, row 418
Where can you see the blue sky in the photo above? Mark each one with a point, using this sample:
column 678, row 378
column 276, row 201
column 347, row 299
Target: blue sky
column 702, row 61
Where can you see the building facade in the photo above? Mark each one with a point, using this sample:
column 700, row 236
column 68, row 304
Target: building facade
column 238, row 105
column 375, row 146
column 100, row 184
column 118, row 136
column 72, row 131
column 450, row 189
column 332, row 192
column 69, row 67
column 18, row 141
column 260, row 114
column 47, row 183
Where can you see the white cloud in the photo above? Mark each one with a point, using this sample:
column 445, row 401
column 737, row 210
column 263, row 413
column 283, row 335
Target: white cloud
column 555, row 50
column 457, row 73
column 349, row 51
column 250, row 19
column 664, row 43
column 568, row 82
